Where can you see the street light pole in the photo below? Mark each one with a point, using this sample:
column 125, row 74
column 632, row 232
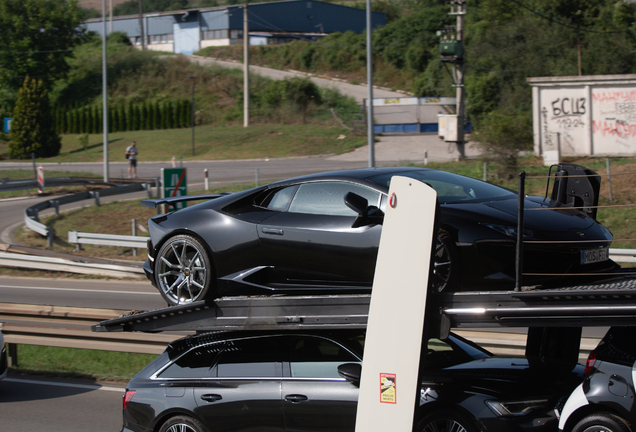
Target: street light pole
column 370, row 134
column 192, row 112
column 104, row 92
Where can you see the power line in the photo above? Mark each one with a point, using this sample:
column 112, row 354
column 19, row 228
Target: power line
column 582, row 29
column 523, row 69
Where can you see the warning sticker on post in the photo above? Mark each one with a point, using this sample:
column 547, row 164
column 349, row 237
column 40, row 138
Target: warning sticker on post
column 388, row 390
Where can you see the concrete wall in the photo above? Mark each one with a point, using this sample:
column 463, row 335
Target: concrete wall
column 585, row 115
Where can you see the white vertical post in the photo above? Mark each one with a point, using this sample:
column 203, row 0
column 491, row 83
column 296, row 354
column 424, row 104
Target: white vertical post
column 205, row 175
column 134, row 233
column 389, row 387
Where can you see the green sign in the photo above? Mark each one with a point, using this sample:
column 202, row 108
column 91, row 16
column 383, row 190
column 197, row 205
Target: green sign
column 174, row 184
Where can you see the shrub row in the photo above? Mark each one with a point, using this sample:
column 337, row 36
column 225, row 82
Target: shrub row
column 121, row 118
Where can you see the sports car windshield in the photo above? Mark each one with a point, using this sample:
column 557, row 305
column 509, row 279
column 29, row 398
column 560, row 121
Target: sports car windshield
column 450, row 188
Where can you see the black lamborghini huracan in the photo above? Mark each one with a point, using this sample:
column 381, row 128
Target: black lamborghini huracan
column 320, row 234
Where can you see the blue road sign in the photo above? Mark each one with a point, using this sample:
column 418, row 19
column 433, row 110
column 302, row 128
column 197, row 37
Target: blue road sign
column 7, row 125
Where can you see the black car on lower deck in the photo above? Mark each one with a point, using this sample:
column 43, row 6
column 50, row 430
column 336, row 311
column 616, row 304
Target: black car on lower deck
column 293, row 381
column 606, row 400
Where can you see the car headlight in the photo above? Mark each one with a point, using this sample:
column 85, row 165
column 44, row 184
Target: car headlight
column 517, row 407
column 507, row 230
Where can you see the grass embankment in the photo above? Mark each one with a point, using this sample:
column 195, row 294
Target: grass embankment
column 210, row 143
column 102, row 365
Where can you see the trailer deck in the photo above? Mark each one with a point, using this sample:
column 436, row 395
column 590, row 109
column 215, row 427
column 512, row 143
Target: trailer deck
column 612, row 302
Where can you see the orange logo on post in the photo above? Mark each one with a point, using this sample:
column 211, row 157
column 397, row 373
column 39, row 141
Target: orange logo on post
column 388, row 390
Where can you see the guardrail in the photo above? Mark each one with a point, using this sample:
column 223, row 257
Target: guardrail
column 623, row 255
column 23, row 324
column 60, row 264
column 11, row 185
column 107, row 239
column 31, row 214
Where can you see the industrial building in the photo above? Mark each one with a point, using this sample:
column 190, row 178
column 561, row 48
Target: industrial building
column 187, row 31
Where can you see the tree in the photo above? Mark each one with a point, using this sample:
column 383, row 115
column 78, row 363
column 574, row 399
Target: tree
column 33, row 126
column 37, row 37
column 502, row 136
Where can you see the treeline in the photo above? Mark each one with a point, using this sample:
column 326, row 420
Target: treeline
column 151, row 115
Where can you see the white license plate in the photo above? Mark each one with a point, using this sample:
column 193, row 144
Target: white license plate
column 594, row 255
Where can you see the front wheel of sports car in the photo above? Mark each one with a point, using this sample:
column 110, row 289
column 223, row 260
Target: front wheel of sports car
column 445, row 263
column 183, row 269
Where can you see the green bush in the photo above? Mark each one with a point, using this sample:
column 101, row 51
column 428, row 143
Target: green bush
column 33, row 127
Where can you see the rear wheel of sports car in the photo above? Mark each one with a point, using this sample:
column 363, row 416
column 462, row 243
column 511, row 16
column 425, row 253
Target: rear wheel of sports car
column 183, row 269
column 602, row 422
column 183, row 424
column 445, row 263
column 445, row 421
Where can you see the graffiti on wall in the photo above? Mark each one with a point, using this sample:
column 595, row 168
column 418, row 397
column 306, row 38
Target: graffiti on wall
column 563, row 120
column 614, row 119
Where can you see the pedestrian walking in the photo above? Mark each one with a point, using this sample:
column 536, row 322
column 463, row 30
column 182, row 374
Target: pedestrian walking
column 131, row 155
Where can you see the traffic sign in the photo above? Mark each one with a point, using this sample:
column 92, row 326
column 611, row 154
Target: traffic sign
column 7, row 125
column 174, row 184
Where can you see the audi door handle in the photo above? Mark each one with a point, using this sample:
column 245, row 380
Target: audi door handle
column 211, row 397
column 296, row 398
column 274, row 231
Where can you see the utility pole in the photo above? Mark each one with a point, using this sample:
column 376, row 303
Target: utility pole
column 370, row 134
column 246, row 68
column 452, row 51
column 141, row 27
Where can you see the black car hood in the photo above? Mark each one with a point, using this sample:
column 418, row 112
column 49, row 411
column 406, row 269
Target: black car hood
column 512, row 376
column 544, row 216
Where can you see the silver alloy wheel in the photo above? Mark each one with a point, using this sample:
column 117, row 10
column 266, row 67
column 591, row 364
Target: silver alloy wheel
column 444, row 425
column 182, row 270
column 181, row 427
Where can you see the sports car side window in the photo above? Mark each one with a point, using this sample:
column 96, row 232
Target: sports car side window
column 327, row 198
column 279, row 200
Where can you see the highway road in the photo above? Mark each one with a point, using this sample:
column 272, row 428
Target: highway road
column 87, row 293
column 30, row 404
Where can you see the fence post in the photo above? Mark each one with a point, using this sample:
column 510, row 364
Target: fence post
column 521, row 192
column 609, row 178
column 12, row 357
column 49, row 236
column 207, row 182
column 56, row 205
column 95, row 194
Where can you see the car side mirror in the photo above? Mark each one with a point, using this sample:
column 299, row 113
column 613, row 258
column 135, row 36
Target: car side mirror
column 356, row 203
column 367, row 215
column 351, row 372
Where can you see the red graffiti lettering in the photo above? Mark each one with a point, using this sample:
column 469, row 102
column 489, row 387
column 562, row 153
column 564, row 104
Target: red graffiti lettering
column 614, row 96
column 619, row 129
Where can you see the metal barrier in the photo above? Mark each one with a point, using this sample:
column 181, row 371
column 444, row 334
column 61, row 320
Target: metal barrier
column 623, row 255
column 59, row 264
column 107, row 239
column 31, row 214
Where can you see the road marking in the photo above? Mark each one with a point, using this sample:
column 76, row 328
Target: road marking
column 60, row 384
column 79, row 289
